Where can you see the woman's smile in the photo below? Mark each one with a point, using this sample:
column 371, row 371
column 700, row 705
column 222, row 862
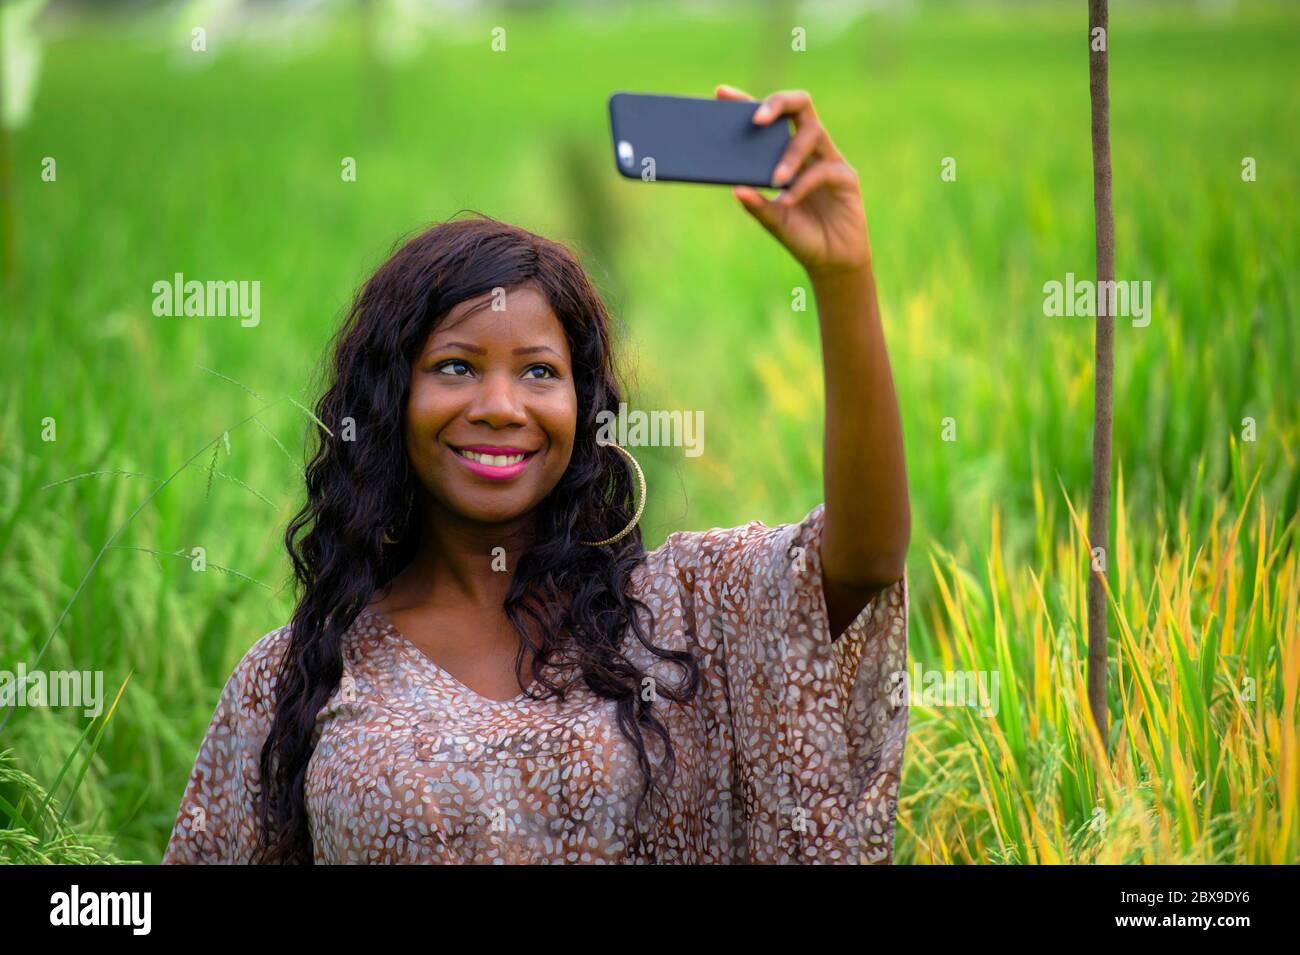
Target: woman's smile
column 493, row 462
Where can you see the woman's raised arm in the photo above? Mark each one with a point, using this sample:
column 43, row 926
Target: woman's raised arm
column 820, row 219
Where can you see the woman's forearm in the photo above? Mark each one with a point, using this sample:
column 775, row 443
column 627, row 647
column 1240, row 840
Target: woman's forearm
column 868, row 517
column 819, row 217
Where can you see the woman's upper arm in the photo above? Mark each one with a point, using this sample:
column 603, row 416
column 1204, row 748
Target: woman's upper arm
column 216, row 822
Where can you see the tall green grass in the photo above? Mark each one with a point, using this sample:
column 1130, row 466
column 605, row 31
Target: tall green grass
column 185, row 432
column 1202, row 762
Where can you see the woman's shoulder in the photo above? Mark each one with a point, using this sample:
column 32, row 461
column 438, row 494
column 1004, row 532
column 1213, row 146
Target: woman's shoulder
column 251, row 686
column 717, row 550
column 256, row 673
column 267, row 652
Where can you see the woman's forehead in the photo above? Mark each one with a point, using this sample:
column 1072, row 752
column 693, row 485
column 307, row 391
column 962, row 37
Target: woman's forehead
column 523, row 317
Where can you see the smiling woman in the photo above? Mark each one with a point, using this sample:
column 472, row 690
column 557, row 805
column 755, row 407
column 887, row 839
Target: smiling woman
column 466, row 679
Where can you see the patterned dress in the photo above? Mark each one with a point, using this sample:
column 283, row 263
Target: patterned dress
column 789, row 753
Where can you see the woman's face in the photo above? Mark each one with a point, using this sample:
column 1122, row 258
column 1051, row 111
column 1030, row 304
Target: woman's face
column 499, row 383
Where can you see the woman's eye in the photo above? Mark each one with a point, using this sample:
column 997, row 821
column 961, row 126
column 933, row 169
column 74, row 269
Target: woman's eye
column 443, row 366
column 550, row 372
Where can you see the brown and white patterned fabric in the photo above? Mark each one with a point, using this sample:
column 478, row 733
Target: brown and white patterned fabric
column 790, row 753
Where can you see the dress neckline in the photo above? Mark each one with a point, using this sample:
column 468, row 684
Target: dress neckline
column 407, row 646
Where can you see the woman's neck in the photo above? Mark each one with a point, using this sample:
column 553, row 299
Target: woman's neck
column 460, row 562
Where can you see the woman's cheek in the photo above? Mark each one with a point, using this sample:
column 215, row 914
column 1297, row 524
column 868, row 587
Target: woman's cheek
column 424, row 417
column 422, row 442
column 565, row 418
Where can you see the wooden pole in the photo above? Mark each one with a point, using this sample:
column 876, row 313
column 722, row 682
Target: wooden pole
column 1099, row 512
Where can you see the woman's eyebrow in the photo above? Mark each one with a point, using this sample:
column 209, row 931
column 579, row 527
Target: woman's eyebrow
column 529, row 350
column 465, row 345
column 533, row 349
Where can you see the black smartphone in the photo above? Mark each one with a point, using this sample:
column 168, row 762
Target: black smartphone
column 684, row 139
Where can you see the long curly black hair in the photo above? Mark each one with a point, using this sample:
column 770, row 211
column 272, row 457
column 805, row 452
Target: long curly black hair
column 576, row 596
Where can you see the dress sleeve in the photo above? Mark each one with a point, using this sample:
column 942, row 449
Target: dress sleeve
column 816, row 726
column 216, row 823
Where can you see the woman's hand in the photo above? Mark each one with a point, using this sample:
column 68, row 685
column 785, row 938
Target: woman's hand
column 819, row 217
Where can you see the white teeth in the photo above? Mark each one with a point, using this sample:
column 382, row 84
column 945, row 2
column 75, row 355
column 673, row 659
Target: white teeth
column 495, row 460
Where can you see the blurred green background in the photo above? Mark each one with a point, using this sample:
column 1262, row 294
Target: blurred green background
column 225, row 164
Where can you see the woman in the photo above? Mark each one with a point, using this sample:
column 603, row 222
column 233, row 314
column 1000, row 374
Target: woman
column 485, row 665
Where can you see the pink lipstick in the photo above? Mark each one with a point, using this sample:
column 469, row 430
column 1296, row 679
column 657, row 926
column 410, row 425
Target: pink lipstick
column 493, row 462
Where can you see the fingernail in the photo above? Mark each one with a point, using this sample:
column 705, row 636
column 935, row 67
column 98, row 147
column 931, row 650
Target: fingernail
column 780, row 172
column 760, row 114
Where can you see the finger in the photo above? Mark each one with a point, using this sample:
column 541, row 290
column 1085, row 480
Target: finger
column 799, row 105
column 764, row 210
column 723, row 91
column 833, row 174
column 806, row 142
column 796, row 103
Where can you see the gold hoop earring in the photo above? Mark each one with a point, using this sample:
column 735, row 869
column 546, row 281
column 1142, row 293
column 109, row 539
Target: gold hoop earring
column 640, row 508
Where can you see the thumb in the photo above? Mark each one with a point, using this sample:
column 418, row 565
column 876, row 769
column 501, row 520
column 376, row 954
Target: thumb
column 764, row 210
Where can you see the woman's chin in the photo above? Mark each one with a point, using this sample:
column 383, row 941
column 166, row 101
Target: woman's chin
column 509, row 508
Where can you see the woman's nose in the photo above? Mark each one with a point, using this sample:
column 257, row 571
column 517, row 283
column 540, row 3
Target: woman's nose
column 497, row 402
